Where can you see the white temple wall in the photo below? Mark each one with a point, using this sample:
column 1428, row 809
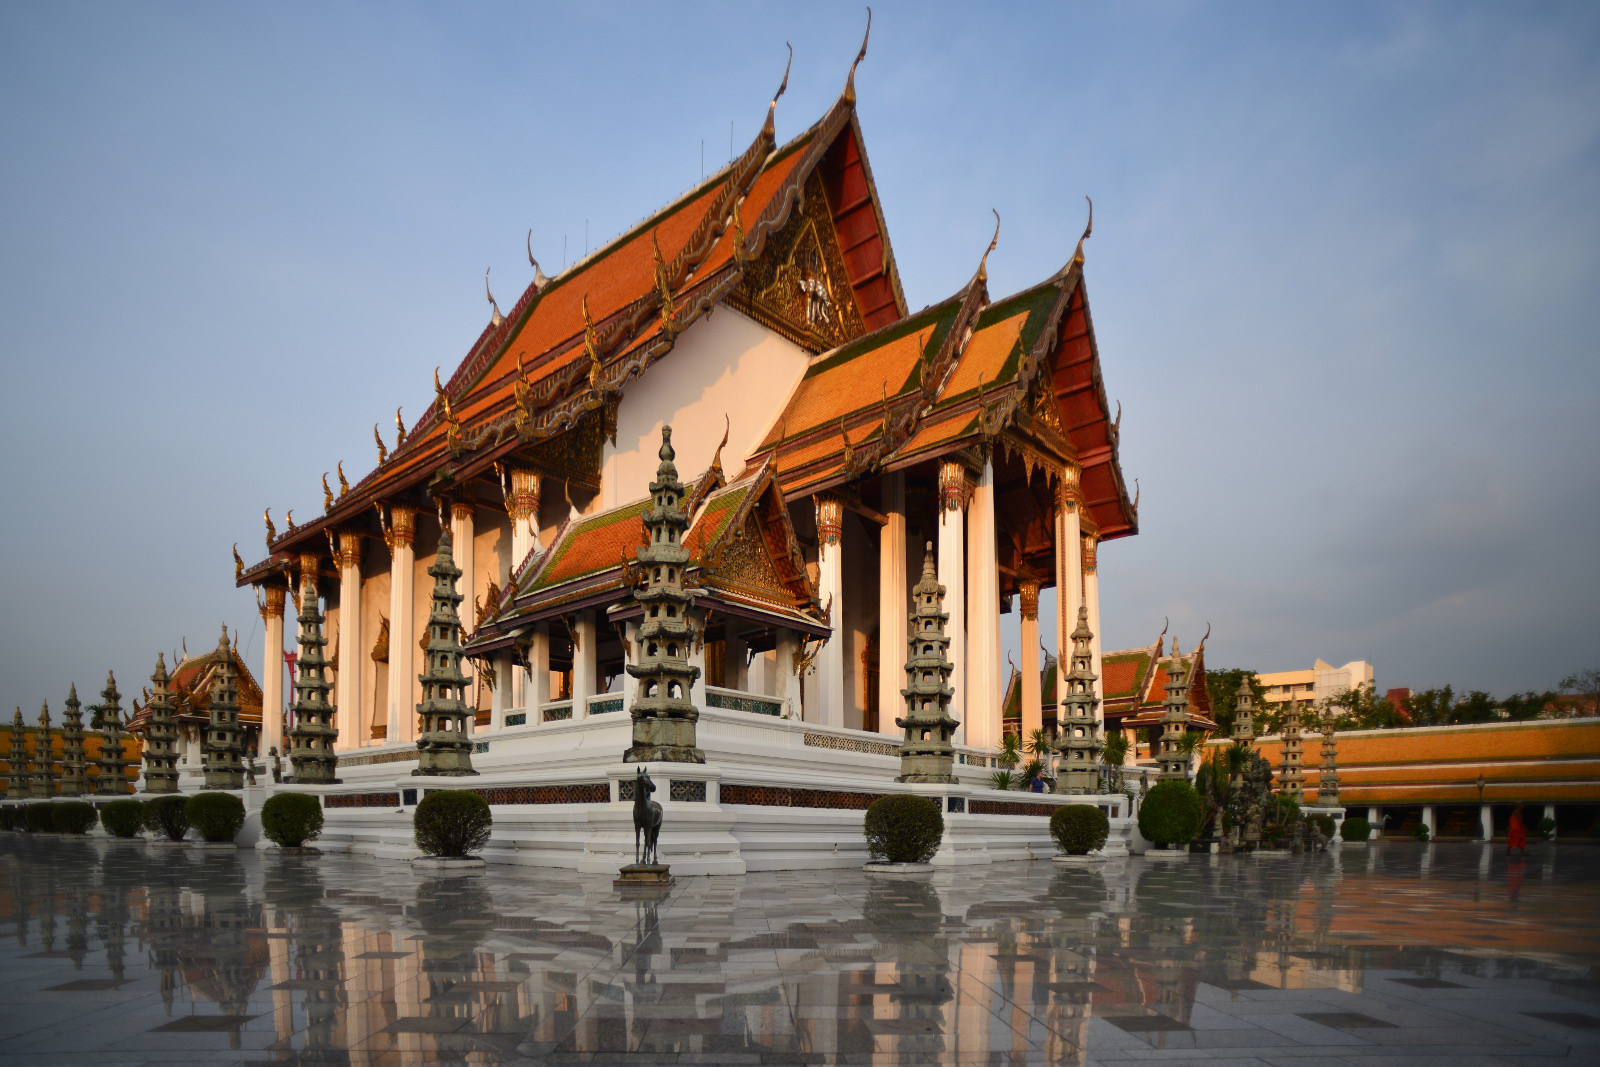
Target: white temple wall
column 723, row 365
column 492, row 530
column 331, row 633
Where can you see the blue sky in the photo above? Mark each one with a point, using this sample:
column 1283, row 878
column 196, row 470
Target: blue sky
column 1342, row 278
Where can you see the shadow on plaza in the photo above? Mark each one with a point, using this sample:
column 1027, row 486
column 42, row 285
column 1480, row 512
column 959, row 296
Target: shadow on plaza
column 315, row 959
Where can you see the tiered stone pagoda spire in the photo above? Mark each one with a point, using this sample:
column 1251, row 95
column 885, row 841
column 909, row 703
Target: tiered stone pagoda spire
column 1291, row 779
column 113, row 780
column 664, row 717
column 1244, row 710
column 17, row 774
column 1078, row 742
column 311, row 739
column 1174, row 764
column 44, row 764
column 74, row 764
column 443, row 743
column 1328, row 778
column 926, row 753
column 160, row 736
column 224, row 749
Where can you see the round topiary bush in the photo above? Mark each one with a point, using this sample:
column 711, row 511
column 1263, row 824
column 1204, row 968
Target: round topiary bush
column 167, row 816
column 1170, row 814
column 1546, row 827
column 451, row 823
column 1422, row 833
column 291, row 819
column 903, row 829
column 123, row 818
column 73, row 816
column 1079, row 829
column 1355, row 830
column 217, row 816
column 40, row 819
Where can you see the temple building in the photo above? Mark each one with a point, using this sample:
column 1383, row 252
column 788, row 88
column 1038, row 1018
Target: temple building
column 188, row 698
column 1137, row 695
column 824, row 430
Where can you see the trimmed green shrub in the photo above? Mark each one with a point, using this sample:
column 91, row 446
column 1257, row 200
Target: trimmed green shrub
column 168, row 816
column 1546, row 828
column 903, row 829
column 1170, row 814
column 8, row 817
column 73, row 816
column 1079, row 829
column 1323, row 823
column 123, row 818
column 1421, row 832
column 451, row 822
column 291, row 819
column 1355, row 830
column 41, row 820
column 216, row 816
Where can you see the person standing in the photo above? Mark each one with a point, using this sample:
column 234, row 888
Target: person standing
column 1517, row 833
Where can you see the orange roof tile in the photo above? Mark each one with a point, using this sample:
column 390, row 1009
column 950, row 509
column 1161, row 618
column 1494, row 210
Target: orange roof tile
column 986, row 355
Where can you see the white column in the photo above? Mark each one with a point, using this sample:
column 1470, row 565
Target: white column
column 402, row 709
column 535, row 685
column 1373, row 815
column 1032, row 716
column 697, row 658
column 1091, row 597
column 734, row 674
column 355, row 724
column 461, row 534
column 1429, row 821
column 1069, row 575
column 1486, row 822
column 522, row 505
column 785, row 686
column 953, row 576
column 272, row 672
column 504, row 668
column 585, row 664
column 830, row 586
column 630, row 684
column 1550, row 813
column 983, row 616
column 894, row 603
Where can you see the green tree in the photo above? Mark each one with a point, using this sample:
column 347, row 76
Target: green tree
column 1585, row 683
column 1429, row 707
column 1361, row 708
column 1222, row 686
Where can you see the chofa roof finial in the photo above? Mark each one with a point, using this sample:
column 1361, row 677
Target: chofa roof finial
column 783, row 87
column 496, row 318
column 539, row 279
column 983, row 264
column 1077, row 255
column 850, row 82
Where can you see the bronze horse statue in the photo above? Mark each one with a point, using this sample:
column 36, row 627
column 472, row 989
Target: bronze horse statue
column 646, row 819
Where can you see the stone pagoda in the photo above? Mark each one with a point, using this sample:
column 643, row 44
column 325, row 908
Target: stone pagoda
column 160, row 736
column 1328, row 780
column 443, row 744
column 926, row 753
column 1244, row 710
column 664, row 717
column 1174, row 763
column 44, row 764
column 1078, row 743
column 311, row 739
column 113, row 780
column 1291, row 778
column 17, row 775
column 74, row 764
column 224, row 748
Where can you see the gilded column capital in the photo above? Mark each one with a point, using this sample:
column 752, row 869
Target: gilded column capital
column 310, row 563
column 522, row 499
column 954, row 491
column 402, row 532
column 272, row 607
column 830, row 519
column 1068, row 493
column 349, row 554
column 1028, row 595
column 461, row 511
column 1091, row 546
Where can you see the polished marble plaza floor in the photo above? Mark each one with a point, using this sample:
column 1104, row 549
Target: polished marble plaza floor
column 118, row 953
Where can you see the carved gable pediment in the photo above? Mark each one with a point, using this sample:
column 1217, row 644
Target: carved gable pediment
column 744, row 564
column 800, row 287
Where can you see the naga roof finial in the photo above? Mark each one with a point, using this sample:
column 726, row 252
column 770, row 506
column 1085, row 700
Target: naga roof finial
column 344, row 486
column 983, row 264
column 539, row 279
column 716, row 457
column 272, row 531
column 383, row 449
column 327, row 494
column 1077, row 255
column 783, row 86
column 850, row 82
column 496, row 318
column 238, row 563
column 400, row 427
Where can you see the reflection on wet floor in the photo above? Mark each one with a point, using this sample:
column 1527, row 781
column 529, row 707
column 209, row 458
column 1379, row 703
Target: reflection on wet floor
column 153, row 953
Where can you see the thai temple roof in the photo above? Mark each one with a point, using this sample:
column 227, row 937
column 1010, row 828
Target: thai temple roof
column 193, row 677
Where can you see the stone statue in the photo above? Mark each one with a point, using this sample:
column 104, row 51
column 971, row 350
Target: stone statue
column 646, row 820
column 277, row 764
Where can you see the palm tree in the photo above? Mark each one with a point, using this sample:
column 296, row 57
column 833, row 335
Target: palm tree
column 1010, row 751
column 1040, row 747
column 1189, row 743
column 1115, row 753
column 1002, row 780
column 1032, row 771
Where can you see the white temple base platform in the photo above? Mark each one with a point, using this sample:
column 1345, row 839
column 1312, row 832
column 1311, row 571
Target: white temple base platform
column 774, row 794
